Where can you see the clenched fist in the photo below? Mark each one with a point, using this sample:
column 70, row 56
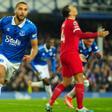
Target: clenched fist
column 27, row 58
column 103, row 33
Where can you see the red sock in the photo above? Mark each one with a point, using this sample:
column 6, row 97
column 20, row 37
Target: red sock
column 57, row 91
column 79, row 90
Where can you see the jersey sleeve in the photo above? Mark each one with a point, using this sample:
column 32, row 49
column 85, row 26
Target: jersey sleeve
column 1, row 23
column 76, row 27
column 82, row 35
column 95, row 48
column 34, row 33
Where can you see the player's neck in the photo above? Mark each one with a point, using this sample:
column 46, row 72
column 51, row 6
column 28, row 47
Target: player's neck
column 71, row 17
column 17, row 21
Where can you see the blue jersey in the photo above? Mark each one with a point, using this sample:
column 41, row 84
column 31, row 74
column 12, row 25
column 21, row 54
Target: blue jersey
column 44, row 55
column 86, row 51
column 15, row 38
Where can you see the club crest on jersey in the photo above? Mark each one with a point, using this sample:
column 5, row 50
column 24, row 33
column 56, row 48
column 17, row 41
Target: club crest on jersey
column 75, row 23
column 22, row 33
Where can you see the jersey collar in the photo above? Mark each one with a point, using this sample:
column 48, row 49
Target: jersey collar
column 45, row 48
column 84, row 47
column 20, row 25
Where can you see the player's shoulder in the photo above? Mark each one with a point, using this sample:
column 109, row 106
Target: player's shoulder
column 94, row 44
column 71, row 22
column 75, row 23
column 30, row 23
column 54, row 49
column 6, row 19
column 41, row 47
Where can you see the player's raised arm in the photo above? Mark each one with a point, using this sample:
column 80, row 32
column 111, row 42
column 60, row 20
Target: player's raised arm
column 83, row 35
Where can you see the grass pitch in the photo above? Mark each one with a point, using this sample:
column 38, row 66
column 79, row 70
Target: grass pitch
column 38, row 105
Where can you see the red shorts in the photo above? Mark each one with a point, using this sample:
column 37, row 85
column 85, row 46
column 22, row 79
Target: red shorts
column 71, row 64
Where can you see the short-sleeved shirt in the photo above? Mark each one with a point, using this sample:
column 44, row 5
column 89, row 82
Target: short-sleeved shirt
column 44, row 55
column 15, row 38
column 69, row 41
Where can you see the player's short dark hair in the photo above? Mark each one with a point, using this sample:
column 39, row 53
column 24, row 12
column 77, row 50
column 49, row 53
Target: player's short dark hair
column 65, row 11
column 20, row 3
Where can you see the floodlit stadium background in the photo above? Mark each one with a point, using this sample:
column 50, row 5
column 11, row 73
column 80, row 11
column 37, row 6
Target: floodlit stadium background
column 93, row 15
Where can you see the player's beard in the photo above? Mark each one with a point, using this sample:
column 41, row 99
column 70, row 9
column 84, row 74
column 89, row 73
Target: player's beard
column 20, row 19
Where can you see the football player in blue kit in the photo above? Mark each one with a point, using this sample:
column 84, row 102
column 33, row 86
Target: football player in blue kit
column 17, row 33
column 87, row 48
column 46, row 53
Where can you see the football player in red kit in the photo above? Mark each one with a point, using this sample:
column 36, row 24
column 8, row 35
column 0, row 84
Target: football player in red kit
column 70, row 59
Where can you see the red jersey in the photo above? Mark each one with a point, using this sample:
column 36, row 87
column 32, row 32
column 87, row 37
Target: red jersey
column 70, row 36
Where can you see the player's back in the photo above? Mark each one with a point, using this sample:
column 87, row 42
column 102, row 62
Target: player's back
column 69, row 41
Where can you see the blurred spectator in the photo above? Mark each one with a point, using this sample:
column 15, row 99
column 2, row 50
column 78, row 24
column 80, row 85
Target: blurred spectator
column 98, row 72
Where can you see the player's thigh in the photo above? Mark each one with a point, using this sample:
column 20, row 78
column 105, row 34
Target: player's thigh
column 67, row 81
column 43, row 71
column 79, row 78
column 11, row 70
column 66, row 71
column 71, row 64
column 3, row 68
column 46, row 69
column 75, row 64
column 3, row 65
column 2, row 71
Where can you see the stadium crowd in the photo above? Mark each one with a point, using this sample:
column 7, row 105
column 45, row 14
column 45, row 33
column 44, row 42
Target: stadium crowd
column 99, row 73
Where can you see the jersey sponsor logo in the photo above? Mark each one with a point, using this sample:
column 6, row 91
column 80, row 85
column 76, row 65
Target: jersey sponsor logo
column 11, row 41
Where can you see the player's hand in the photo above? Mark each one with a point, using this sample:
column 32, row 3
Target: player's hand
column 27, row 58
column 103, row 33
column 83, row 58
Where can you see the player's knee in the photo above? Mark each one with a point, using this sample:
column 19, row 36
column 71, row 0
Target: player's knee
column 66, row 81
column 79, row 78
column 86, row 83
column 46, row 81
